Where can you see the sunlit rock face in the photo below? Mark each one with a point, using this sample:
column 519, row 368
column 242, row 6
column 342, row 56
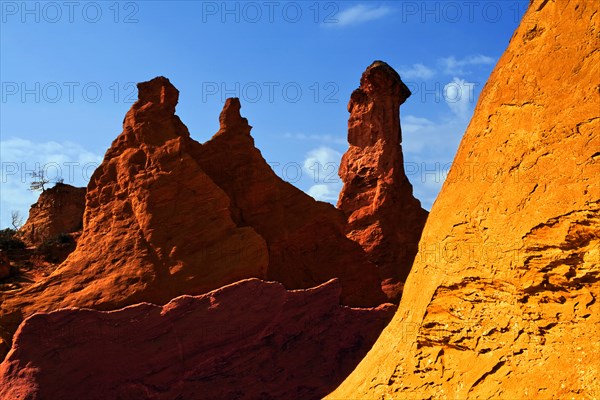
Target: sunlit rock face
column 502, row 301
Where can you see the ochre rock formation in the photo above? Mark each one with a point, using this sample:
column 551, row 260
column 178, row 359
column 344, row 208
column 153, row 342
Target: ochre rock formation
column 157, row 225
column 59, row 210
column 249, row 340
column 503, row 299
column 306, row 238
column 383, row 216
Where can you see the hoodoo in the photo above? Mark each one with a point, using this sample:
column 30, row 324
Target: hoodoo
column 377, row 198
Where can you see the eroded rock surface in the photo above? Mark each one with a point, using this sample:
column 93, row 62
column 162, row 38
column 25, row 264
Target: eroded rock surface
column 503, row 299
column 248, row 340
column 167, row 216
column 155, row 225
column 383, row 216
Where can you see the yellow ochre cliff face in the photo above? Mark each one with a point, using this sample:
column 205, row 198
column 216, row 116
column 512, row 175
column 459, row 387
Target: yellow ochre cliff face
column 503, row 300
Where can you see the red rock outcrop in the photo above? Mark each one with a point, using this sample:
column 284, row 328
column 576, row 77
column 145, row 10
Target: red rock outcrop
column 272, row 344
column 157, row 225
column 306, row 238
column 59, row 210
column 377, row 198
column 503, row 299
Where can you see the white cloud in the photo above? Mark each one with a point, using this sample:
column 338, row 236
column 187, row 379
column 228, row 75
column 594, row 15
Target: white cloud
column 460, row 97
column 413, row 125
column 322, row 158
column 448, row 65
column 360, row 13
column 417, row 71
column 326, row 138
column 417, row 133
column 454, row 66
column 20, row 157
column 322, row 165
column 323, row 192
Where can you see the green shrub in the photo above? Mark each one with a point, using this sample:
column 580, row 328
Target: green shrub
column 9, row 240
column 62, row 238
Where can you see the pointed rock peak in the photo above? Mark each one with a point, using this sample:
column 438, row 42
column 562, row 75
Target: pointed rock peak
column 382, row 65
column 231, row 110
column 374, row 107
column 381, row 79
column 151, row 120
column 158, row 91
column 231, row 120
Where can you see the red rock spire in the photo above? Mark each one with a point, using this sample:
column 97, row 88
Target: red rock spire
column 377, row 198
column 231, row 120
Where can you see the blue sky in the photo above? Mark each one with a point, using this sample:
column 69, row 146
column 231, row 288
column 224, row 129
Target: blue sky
column 68, row 70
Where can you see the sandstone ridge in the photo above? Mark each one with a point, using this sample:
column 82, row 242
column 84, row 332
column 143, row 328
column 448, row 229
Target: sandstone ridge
column 213, row 346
